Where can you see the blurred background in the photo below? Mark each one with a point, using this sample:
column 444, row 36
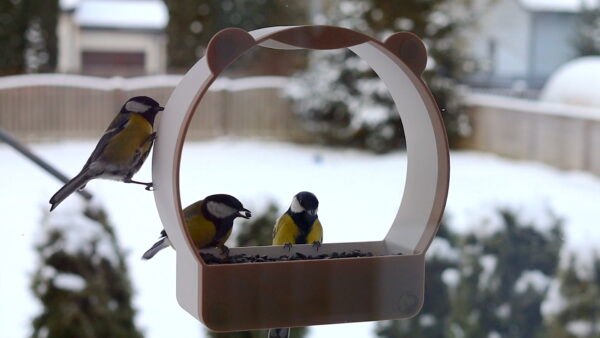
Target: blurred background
column 516, row 81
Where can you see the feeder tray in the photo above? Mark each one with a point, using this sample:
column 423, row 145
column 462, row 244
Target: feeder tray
column 234, row 297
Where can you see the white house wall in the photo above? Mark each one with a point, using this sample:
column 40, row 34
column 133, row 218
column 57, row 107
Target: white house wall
column 506, row 24
column 68, row 44
column 107, row 41
column 554, row 45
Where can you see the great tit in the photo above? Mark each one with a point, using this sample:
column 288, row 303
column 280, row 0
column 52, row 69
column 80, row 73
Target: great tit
column 122, row 149
column 300, row 223
column 208, row 222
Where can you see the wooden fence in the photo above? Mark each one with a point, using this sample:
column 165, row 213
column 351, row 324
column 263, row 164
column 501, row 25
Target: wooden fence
column 58, row 106
column 564, row 136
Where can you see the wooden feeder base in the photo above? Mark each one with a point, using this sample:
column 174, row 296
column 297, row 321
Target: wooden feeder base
column 246, row 297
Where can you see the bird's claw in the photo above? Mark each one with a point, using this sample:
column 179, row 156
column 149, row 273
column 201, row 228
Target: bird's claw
column 288, row 246
column 316, row 245
column 150, row 186
column 224, row 250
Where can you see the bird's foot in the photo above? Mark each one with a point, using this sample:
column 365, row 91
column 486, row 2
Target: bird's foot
column 149, row 185
column 224, row 250
column 288, row 246
column 317, row 245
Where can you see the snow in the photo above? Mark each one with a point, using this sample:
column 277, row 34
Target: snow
column 136, row 83
column 78, row 229
column 427, row 320
column 488, row 264
column 129, row 14
column 68, row 4
column 69, row 281
column 572, row 6
column 575, row 83
column 582, row 328
column 441, row 248
column 534, row 279
column 503, row 311
column 450, row 277
column 257, row 172
column 554, row 302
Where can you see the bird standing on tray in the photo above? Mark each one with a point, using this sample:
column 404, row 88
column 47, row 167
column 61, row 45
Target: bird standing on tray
column 208, row 223
column 122, row 149
column 300, row 223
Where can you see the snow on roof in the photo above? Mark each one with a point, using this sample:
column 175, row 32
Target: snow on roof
column 136, row 83
column 558, row 5
column 575, row 83
column 533, row 107
column 68, row 4
column 124, row 14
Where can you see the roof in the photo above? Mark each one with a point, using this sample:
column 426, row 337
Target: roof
column 571, row 6
column 120, row 14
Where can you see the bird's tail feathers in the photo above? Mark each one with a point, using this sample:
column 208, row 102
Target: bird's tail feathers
column 76, row 183
column 279, row 333
column 161, row 244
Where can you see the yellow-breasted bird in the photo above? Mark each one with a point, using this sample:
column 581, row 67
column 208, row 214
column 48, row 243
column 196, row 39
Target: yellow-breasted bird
column 122, row 149
column 208, row 221
column 300, row 223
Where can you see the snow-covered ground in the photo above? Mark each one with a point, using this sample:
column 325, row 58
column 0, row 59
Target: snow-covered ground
column 355, row 189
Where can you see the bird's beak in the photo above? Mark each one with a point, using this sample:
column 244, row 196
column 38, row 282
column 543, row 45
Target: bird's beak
column 312, row 212
column 160, row 108
column 245, row 213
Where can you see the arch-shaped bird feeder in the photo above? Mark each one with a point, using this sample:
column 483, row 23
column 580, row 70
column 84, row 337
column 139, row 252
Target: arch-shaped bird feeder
column 231, row 297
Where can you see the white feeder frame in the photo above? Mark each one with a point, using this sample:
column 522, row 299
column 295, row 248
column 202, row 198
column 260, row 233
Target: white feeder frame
column 233, row 297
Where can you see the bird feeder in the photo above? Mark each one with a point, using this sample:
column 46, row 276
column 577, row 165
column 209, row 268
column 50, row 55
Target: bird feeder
column 387, row 285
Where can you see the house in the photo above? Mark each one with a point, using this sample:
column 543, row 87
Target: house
column 522, row 42
column 112, row 37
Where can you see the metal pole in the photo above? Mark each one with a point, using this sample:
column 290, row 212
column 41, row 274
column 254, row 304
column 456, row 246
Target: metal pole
column 18, row 146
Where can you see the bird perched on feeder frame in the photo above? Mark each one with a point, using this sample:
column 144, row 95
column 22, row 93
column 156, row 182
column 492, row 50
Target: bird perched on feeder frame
column 122, row 149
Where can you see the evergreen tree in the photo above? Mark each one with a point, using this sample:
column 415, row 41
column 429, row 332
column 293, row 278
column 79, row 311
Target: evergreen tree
column 505, row 278
column 580, row 294
column 42, row 51
column 28, row 40
column 259, row 230
column 486, row 285
column 434, row 318
column 587, row 40
column 342, row 100
column 193, row 23
column 254, row 232
column 82, row 279
column 14, row 20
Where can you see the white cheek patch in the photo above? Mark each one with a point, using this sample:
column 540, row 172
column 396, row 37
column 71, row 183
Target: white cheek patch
column 136, row 107
column 296, row 207
column 220, row 210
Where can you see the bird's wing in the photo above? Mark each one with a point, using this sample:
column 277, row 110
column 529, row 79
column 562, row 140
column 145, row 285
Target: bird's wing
column 143, row 151
column 316, row 233
column 285, row 230
column 201, row 230
column 116, row 126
